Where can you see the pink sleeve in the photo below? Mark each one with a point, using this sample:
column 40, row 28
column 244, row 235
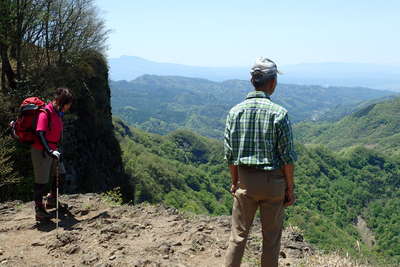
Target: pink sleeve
column 42, row 123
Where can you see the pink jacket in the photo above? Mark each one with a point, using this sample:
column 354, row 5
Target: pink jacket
column 54, row 133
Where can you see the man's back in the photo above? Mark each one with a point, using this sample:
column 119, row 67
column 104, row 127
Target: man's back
column 258, row 133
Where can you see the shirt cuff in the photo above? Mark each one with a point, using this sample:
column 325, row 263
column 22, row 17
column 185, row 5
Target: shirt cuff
column 229, row 160
column 289, row 158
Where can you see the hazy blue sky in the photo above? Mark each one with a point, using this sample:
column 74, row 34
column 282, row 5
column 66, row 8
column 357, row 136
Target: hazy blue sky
column 235, row 32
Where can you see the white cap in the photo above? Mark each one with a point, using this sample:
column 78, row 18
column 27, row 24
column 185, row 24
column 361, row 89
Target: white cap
column 264, row 68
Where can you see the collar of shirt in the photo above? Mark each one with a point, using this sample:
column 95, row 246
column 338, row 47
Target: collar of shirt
column 52, row 108
column 258, row 94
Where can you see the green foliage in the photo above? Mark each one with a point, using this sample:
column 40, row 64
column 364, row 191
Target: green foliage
column 15, row 164
column 161, row 104
column 7, row 174
column 334, row 189
column 16, row 176
column 384, row 218
column 113, row 197
column 174, row 169
column 187, row 171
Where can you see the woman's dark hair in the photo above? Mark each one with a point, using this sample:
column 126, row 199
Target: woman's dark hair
column 63, row 96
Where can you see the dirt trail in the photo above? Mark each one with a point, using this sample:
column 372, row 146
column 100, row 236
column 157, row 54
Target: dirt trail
column 94, row 233
column 365, row 233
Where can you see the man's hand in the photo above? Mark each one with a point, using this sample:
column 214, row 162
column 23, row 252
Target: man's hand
column 290, row 198
column 234, row 177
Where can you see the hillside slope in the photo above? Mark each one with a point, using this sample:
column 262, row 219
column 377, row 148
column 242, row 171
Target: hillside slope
column 96, row 232
column 376, row 125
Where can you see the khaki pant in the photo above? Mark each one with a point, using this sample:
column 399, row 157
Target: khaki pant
column 264, row 190
column 43, row 166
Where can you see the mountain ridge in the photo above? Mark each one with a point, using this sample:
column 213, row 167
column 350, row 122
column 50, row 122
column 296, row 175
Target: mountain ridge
column 377, row 76
column 163, row 103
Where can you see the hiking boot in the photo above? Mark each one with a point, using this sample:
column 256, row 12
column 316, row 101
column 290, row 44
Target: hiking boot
column 51, row 202
column 41, row 214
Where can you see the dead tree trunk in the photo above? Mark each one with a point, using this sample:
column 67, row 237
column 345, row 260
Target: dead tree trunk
column 6, row 67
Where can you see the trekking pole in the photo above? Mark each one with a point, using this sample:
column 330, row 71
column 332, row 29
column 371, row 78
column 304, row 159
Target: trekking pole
column 57, row 179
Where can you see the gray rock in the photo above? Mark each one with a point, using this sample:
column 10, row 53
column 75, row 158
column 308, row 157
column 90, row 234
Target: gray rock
column 90, row 259
column 297, row 237
column 200, row 228
column 73, row 250
column 164, row 248
column 115, row 228
column 37, row 244
column 282, row 254
column 61, row 240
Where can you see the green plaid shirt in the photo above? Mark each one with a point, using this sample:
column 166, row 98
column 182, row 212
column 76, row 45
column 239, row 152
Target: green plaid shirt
column 258, row 133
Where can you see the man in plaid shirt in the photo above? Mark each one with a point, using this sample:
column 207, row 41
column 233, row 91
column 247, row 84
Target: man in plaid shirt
column 260, row 153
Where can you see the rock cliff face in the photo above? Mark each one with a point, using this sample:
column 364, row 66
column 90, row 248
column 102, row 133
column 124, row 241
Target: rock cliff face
column 92, row 153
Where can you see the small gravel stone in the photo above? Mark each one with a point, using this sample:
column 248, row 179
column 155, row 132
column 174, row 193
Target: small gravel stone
column 113, row 257
column 37, row 244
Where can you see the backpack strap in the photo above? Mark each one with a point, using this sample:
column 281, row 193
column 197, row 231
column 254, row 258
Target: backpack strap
column 47, row 111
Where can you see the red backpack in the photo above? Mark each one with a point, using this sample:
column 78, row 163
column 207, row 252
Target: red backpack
column 24, row 128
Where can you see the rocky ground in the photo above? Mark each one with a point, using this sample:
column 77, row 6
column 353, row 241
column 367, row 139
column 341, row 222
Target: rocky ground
column 93, row 232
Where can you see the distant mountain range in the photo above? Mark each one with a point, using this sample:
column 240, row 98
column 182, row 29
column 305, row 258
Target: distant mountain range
column 161, row 104
column 129, row 68
column 324, row 74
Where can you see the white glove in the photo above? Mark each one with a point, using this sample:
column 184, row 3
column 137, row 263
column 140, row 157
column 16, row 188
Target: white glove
column 55, row 154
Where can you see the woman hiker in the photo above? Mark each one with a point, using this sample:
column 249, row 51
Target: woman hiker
column 45, row 150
